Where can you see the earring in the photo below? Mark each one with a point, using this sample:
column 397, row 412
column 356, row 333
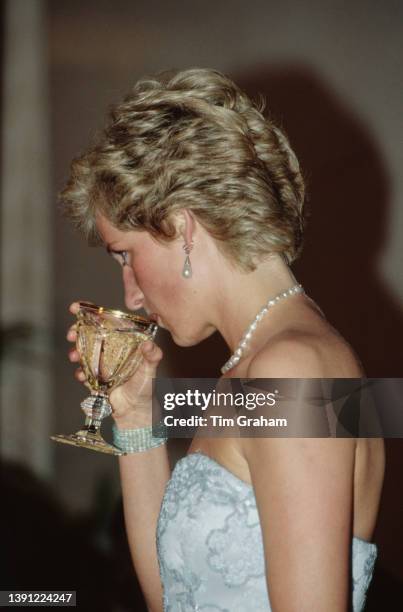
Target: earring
column 187, row 266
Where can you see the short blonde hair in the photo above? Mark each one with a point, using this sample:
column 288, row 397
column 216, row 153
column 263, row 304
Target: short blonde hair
column 192, row 139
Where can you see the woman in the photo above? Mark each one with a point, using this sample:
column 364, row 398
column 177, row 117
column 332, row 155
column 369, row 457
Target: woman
column 200, row 199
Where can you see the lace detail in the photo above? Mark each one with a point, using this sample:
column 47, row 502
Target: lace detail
column 210, row 546
column 234, row 541
column 364, row 556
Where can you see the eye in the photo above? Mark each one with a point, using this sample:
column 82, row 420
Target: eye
column 122, row 257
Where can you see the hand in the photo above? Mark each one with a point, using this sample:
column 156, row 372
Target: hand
column 131, row 402
column 74, row 355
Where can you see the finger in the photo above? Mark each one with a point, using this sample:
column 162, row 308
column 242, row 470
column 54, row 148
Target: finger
column 74, row 307
column 79, row 374
column 74, row 355
column 151, row 352
column 72, row 334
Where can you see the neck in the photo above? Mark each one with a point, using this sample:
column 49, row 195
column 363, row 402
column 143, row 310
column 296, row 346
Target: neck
column 240, row 296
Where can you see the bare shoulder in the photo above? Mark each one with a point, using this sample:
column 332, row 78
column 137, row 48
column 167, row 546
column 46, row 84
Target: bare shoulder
column 296, row 354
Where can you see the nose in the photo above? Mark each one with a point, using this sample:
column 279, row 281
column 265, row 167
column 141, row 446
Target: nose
column 134, row 298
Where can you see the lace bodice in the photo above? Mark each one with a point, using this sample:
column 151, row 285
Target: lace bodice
column 210, row 546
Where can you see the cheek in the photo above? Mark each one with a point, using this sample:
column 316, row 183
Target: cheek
column 167, row 290
column 157, row 276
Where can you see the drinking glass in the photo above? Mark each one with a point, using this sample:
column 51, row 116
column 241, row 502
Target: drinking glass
column 108, row 342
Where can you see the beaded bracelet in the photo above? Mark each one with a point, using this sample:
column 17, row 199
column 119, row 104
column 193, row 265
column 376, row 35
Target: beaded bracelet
column 140, row 439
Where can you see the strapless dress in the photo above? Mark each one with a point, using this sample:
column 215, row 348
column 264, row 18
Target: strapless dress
column 210, row 546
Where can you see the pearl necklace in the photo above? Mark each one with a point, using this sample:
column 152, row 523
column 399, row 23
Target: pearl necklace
column 237, row 355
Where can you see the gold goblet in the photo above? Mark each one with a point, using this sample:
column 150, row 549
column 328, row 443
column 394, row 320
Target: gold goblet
column 108, row 342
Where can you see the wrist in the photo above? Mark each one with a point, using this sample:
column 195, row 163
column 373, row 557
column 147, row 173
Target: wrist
column 132, row 421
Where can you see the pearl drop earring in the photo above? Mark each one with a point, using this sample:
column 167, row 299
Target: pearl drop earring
column 187, row 266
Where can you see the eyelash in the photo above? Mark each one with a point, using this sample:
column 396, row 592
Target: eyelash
column 123, row 254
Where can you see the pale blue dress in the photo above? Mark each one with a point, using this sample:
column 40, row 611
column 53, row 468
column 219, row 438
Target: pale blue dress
column 210, row 546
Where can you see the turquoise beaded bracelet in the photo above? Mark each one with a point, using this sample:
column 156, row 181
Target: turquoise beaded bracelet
column 140, row 439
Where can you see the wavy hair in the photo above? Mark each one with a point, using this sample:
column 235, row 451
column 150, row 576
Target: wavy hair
column 192, row 139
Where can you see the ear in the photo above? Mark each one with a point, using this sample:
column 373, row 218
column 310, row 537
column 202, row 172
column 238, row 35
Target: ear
column 186, row 225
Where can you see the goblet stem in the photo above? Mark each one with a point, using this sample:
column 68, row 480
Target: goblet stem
column 96, row 408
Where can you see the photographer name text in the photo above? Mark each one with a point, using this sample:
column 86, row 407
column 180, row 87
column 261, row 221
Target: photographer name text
column 216, row 420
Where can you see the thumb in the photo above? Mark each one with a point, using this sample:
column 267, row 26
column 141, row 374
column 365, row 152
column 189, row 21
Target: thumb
column 151, row 352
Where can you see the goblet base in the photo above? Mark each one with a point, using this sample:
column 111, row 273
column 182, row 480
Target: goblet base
column 86, row 439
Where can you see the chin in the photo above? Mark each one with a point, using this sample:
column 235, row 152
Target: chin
column 187, row 340
column 181, row 341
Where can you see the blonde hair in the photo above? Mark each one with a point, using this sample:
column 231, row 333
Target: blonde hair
column 192, row 139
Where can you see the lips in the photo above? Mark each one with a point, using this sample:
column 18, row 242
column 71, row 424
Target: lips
column 156, row 319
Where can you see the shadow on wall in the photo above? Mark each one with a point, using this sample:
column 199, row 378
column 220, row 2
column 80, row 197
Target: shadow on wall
column 348, row 198
column 45, row 548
